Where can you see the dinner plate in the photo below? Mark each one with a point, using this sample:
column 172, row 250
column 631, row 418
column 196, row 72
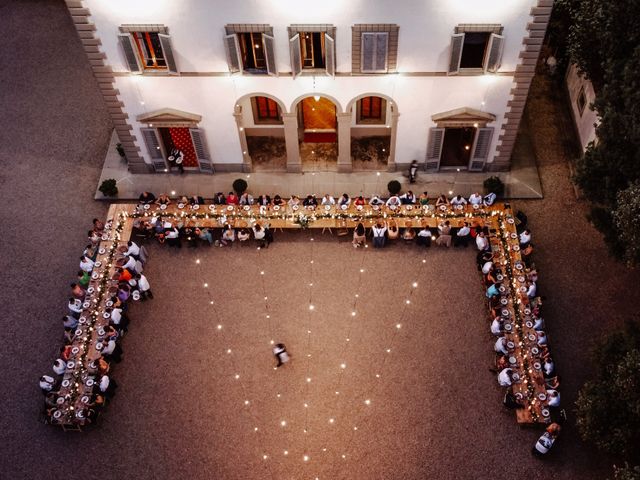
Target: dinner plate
column 85, row 399
column 80, row 414
column 511, row 345
column 516, row 377
column 109, row 303
column 512, row 360
column 516, row 248
column 504, row 301
column 296, row 207
column 97, row 264
column 425, row 207
column 146, row 206
column 502, row 289
column 476, row 206
column 78, row 331
column 101, row 331
column 510, row 221
column 57, row 414
column 102, row 251
column 537, row 365
column 508, row 327
column 327, row 207
column 521, row 279
column 75, row 350
column 163, row 206
column 409, row 207
column 86, row 304
column 529, row 323
column 136, row 295
column 212, row 208
column 392, row 207
column 106, row 314
column 195, row 207
column 105, row 237
column 247, row 208
column 99, row 346
column 531, row 337
column 505, row 312
column 443, row 208
column 71, row 364
column 527, row 311
column 500, row 277
column 89, row 382
column 91, row 290
column 519, row 396
column 542, row 396
column 514, row 235
column 545, row 412
column 519, row 266
column 344, row 207
column 60, row 400
column 459, row 207
column 181, row 205
column 276, row 208
column 95, row 275
column 523, row 289
column 376, row 207
column 535, row 350
column 171, row 158
column 65, row 383
column 359, row 207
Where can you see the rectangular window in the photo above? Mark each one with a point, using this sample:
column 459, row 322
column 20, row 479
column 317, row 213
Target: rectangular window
column 581, row 101
column 474, row 49
column 150, row 50
column 252, row 51
column 312, row 49
column 265, row 110
column 371, row 110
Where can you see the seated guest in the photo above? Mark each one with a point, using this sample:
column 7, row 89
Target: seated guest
column 277, row 201
column 376, row 201
column 394, row 231
column 359, row 236
column 75, row 307
column 190, row 236
column 263, row 200
column 132, row 250
column 525, row 238
column 86, row 264
column 219, row 199
column 493, row 291
column 228, row 236
column 442, row 200
column 462, row 236
column 69, row 321
column 497, row 326
column 77, row 291
column 103, row 366
column 475, row 199
column 359, row 202
column 409, row 233
column 59, row 366
column 394, row 201
column 47, row 383
column 144, row 287
column 482, row 242
column 424, row 198
column 163, row 199
column 124, row 275
column 553, row 382
column 232, row 199
column 483, row 257
column 489, row 199
column 94, row 237
column 501, row 346
column 124, row 292
column 444, row 237
column 489, row 277
column 65, row 352
column 243, row 235
column 204, row 234
column 553, row 398
column 84, row 278
column 310, row 201
column 294, row 201
column 408, row 198
column 538, row 323
column 173, row 237
column 328, row 200
column 505, row 377
column 424, row 237
column 531, row 289
column 542, row 338
column 245, row 199
column 196, row 200
column 458, row 200
column 548, row 367
column 147, row 198
column 98, row 226
column 379, row 231
column 344, row 200
column 107, row 386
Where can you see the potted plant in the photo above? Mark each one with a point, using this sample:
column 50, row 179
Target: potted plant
column 394, row 187
column 109, row 188
column 240, row 186
column 120, row 150
column 494, row 185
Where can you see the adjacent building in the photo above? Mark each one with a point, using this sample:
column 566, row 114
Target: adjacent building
column 366, row 84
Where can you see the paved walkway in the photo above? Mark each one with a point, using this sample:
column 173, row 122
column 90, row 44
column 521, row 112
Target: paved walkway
column 521, row 182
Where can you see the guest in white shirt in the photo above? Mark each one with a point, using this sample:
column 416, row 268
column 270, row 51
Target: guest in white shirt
column 69, row 321
column 376, row 201
column 542, row 338
column 75, row 306
column 501, row 346
column 505, row 377
column 489, row 199
column 394, row 201
column 379, row 231
column 458, row 200
column 538, row 323
column 525, row 238
column 553, row 396
column 497, row 326
column 486, row 268
column 130, row 264
column 46, row 383
column 424, row 237
column 133, row 250
column 245, row 199
column 475, row 199
column 531, row 291
column 328, row 200
column 462, row 236
column 228, row 236
column 408, row 198
column 481, row 242
column 86, row 264
column 549, row 367
column 59, row 366
column 173, row 238
column 145, row 288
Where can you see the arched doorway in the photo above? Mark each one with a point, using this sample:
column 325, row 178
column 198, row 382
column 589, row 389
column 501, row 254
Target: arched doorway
column 317, row 122
column 372, row 132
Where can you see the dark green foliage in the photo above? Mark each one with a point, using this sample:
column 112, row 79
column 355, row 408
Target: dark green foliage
column 120, row 150
column 240, row 186
column 370, row 148
column 495, row 185
column 608, row 407
column 394, row 187
column 109, row 188
column 626, row 473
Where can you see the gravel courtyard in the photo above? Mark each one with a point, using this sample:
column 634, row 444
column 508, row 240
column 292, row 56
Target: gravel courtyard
column 179, row 413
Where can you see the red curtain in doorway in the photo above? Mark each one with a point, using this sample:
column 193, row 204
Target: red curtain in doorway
column 181, row 138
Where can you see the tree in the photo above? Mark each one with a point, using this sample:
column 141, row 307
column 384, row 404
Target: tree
column 627, row 221
column 608, row 407
column 626, row 473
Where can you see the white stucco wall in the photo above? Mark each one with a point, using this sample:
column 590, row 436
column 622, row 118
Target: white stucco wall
column 420, row 89
column 586, row 122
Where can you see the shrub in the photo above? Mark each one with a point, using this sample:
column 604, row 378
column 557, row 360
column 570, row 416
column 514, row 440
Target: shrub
column 495, row 185
column 602, row 219
column 240, row 186
column 394, row 187
column 120, row 150
column 626, row 218
column 626, row 473
column 109, row 188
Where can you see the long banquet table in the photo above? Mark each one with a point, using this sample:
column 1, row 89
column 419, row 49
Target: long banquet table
column 78, row 382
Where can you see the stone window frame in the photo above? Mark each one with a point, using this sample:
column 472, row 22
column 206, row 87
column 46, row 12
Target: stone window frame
column 495, row 28
column 151, row 28
column 232, row 28
column 327, row 28
column 392, row 47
